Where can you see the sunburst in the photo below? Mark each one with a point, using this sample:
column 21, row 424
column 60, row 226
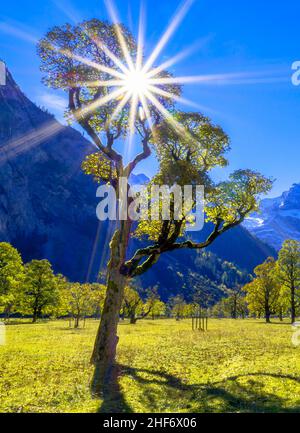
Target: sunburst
column 136, row 81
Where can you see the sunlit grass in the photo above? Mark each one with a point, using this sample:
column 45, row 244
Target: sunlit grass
column 237, row 366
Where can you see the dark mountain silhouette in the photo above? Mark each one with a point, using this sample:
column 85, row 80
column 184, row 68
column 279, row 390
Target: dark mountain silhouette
column 47, row 205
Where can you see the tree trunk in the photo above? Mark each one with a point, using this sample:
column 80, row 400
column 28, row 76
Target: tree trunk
column 268, row 317
column 133, row 320
column 76, row 322
column 293, row 305
column 7, row 312
column 35, row 316
column 104, row 353
column 234, row 311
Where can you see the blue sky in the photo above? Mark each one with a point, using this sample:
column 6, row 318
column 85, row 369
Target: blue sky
column 260, row 39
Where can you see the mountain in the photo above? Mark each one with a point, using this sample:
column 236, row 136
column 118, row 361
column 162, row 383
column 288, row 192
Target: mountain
column 278, row 219
column 47, row 205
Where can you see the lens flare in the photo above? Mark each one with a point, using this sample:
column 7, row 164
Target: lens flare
column 136, row 82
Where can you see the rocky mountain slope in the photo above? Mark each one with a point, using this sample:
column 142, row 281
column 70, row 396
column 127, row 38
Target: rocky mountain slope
column 278, row 219
column 47, row 205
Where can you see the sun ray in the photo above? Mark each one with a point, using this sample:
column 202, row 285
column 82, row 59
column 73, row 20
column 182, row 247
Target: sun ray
column 173, row 60
column 166, row 114
column 68, row 10
column 74, row 16
column 94, row 252
column 133, row 112
column 30, row 140
column 109, row 231
column 228, row 78
column 146, row 110
column 90, row 63
column 114, row 17
column 81, row 112
column 140, row 44
column 120, row 106
column 15, row 30
column 168, row 33
column 99, row 83
column 170, row 95
column 111, row 55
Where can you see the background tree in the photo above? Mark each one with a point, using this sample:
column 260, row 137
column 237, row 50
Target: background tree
column 283, row 305
column 263, row 293
column 235, row 302
column 233, row 306
column 186, row 155
column 98, row 291
column 221, row 309
column 202, row 297
column 289, row 272
column 40, row 291
column 178, row 306
column 153, row 303
column 133, row 306
column 80, row 300
column 11, row 276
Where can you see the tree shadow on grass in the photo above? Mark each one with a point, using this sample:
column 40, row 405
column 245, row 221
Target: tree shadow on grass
column 162, row 392
column 273, row 322
column 113, row 397
column 16, row 322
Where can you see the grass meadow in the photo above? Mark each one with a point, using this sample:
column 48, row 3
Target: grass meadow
column 163, row 366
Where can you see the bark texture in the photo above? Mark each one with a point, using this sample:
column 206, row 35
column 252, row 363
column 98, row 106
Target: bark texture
column 104, row 353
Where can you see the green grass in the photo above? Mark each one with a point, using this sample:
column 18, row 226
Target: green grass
column 237, row 366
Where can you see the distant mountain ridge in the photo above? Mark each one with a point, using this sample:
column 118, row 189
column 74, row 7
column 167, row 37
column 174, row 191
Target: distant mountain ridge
column 48, row 206
column 278, row 219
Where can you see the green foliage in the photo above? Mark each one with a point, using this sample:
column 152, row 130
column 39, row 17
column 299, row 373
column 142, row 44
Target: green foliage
column 40, row 291
column 100, row 167
column 135, row 308
column 289, row 264
column 186, row 158
column 233, row 200
column 153, row 304
column 288, row 272
column 132, row 304
column 186, row 161
column 264, row 292
column 61, row 52
column 178, row 307
column 234, row 306
column 11, row 276
column 81, row 300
